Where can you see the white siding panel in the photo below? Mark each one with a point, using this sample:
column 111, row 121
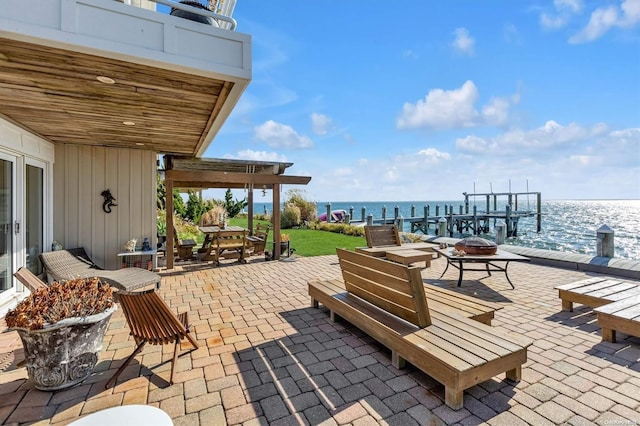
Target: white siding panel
column 79, row 220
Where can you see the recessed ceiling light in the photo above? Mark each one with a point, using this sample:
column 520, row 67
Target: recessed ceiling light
column 139, row 144
column 129, row 123
column 104, row 79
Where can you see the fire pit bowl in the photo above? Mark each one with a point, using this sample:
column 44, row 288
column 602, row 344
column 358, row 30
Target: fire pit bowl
column 475, row 245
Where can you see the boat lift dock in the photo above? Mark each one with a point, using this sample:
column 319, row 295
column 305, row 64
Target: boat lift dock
column 468, row 219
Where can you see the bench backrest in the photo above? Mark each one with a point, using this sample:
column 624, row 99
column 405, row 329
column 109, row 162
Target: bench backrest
column 382, row 235
column 230, row 239
column 262, row 231
column 396, row 288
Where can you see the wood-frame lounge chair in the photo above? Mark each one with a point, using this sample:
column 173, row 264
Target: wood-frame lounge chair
column 151, row 321
column 64, row 265
column 29, row 279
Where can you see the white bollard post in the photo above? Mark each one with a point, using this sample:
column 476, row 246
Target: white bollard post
column 501, row 231
column 442, row 227
column 604, row 242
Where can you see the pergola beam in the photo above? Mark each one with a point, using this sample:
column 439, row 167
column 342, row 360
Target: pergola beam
column 204, row 177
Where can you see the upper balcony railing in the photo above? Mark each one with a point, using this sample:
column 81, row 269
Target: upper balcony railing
column 218, row 13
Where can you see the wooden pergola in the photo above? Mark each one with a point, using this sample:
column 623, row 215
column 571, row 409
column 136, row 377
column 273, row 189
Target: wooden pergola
column 204, row 173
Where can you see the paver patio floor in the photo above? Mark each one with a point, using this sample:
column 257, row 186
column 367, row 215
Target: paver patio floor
column 266, row 357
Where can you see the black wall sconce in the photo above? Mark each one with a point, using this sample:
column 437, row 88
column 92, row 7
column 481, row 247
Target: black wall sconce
column 108, row 201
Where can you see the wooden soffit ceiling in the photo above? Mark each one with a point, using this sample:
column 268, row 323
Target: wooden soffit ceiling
column 55, row 94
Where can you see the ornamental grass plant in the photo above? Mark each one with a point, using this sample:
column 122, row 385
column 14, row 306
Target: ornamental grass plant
column 47, row 306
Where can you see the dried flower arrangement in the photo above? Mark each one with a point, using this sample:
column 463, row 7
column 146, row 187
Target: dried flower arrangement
column 76, row 298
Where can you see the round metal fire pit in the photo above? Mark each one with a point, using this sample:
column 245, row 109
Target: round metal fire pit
column 476, row 245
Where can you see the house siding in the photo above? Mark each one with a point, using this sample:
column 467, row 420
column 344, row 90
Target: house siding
column 80, row 174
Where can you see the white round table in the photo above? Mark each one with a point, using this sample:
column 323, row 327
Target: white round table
column 138, row 415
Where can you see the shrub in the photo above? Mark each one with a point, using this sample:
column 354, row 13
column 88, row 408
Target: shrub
column 212, row 217
column 308, row 209
column 76, row 298
column 340, row 228
column 233, row 207
column 161, row 222
column 290, row 217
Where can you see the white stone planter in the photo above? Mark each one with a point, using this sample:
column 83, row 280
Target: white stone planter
column 63, row 354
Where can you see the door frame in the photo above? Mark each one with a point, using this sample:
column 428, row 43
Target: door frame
column 15, row 161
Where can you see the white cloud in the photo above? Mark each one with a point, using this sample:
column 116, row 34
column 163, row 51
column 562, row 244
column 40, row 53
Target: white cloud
column 601, row 21
column 581, row 160
column 552, row 22
column 442, row 109
column 278, row 135
column 564, row 9
column 496, row 112
column 463, row 43
column 432, row 155
column 573, row 5
column 450, row 109
column 410, row 54
column 320, row 123
column 602, row 164
column 248, row 154
column 604, row 19
column 541, row 141
column 631, row 13
column 511, row 34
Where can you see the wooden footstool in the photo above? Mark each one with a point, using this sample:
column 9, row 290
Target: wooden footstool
column 407, row 257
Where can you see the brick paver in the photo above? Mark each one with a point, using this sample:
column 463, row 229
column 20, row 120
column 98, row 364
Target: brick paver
column 266, row 357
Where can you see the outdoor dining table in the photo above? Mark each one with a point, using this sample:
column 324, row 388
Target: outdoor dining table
column 489, row 262
column 211, row 233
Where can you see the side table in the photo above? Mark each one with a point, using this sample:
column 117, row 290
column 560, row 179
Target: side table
column 407, row 257
column 139, row 259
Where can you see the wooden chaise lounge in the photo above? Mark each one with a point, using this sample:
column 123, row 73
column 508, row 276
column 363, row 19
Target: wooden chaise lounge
column 616, row 303
column 63, row 265
column 387, row 301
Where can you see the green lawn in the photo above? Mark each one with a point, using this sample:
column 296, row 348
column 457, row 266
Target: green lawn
column 309, row 242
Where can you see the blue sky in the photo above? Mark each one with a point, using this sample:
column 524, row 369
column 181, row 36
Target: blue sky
column 422, row 100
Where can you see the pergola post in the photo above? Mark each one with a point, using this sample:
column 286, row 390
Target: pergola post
column 168, row 185
column 276, row 221
column 250, row 211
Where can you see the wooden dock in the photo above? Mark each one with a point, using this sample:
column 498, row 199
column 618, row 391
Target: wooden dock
column 466, row 221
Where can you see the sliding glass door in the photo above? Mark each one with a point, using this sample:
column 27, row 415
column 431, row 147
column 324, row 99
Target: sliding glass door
column 22, row 224
column 7, row 222
column 34, row 215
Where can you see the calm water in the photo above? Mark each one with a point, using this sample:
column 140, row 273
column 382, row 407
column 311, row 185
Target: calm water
column 567, row 225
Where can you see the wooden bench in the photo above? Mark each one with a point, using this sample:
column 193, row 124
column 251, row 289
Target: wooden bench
column 258, row 240
column 623, row 315
column 440, row 300
column 387, row 301
column 227, row 240
column 595, row 292
column 616, row 303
